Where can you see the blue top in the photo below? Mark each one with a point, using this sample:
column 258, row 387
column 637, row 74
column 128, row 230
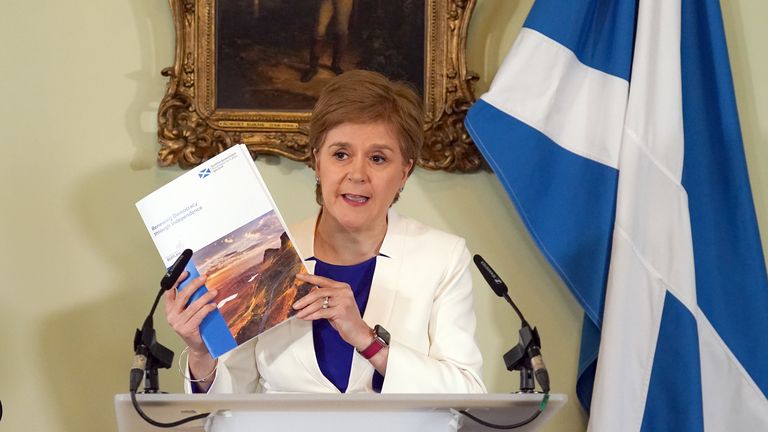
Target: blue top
column 334, row 355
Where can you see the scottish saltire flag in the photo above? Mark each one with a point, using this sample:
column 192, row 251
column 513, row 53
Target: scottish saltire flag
column 613, row 127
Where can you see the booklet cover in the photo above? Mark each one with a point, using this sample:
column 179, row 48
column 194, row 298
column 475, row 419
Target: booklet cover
column 223, row 212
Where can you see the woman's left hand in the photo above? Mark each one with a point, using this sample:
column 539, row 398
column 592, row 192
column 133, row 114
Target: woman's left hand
column 340, row 309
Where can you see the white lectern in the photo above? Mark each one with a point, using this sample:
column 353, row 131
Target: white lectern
column 334, row 412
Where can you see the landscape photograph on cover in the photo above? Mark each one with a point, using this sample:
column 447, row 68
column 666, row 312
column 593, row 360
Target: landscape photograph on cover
column 253, row 269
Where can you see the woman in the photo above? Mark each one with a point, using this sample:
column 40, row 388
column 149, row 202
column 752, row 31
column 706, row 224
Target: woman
column 373, row 270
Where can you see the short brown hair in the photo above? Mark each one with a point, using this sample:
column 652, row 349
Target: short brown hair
column 361, row 96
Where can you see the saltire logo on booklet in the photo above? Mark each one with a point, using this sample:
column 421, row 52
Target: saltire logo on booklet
column 204, row 173
column 217, row 165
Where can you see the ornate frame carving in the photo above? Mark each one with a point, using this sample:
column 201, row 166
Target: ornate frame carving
column 192, row 129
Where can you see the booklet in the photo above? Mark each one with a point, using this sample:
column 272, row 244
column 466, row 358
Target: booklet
column 223, row 211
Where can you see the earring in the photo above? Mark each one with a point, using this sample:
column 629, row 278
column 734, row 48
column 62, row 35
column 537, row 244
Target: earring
column 401, row 189
column 317, row 180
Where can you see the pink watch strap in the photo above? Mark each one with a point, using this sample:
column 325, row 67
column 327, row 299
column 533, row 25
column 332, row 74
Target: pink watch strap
column 372, row 349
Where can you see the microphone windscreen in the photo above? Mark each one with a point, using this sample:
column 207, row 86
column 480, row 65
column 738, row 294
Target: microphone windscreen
column 175, row 270
column 497, row 285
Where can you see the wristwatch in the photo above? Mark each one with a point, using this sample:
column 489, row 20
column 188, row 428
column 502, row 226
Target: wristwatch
column 380, row 340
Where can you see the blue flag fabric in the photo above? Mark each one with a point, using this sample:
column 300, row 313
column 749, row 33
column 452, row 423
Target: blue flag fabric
column 612, row 126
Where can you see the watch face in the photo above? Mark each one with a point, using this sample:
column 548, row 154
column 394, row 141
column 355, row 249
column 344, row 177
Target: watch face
column 381, row 333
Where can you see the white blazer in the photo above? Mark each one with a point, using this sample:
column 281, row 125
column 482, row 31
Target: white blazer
column 421, row 293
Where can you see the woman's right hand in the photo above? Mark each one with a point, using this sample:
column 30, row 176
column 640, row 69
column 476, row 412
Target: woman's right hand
column 185, row 321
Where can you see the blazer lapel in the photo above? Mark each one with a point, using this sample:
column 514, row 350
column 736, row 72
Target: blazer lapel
column 378, row 310
column 387, row 274
column 383, row 294
column 303, row 348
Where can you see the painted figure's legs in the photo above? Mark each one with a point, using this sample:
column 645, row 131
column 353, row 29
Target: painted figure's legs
column 342, row 12
column 315, row 51
column 339, row 11
column 324, row 15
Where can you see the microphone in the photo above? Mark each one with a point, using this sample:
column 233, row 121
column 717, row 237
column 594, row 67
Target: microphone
column 175, row 270
column 497, row 285
column 527, row 354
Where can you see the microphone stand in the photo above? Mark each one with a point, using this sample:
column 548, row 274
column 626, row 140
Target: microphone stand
column 524, row 357
column 154, row 354
column 150, row 355
column 519, row 357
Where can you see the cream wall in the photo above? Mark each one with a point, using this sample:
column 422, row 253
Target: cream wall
column 79, row 88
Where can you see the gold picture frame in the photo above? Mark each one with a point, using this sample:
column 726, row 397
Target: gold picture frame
column 193, row 128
